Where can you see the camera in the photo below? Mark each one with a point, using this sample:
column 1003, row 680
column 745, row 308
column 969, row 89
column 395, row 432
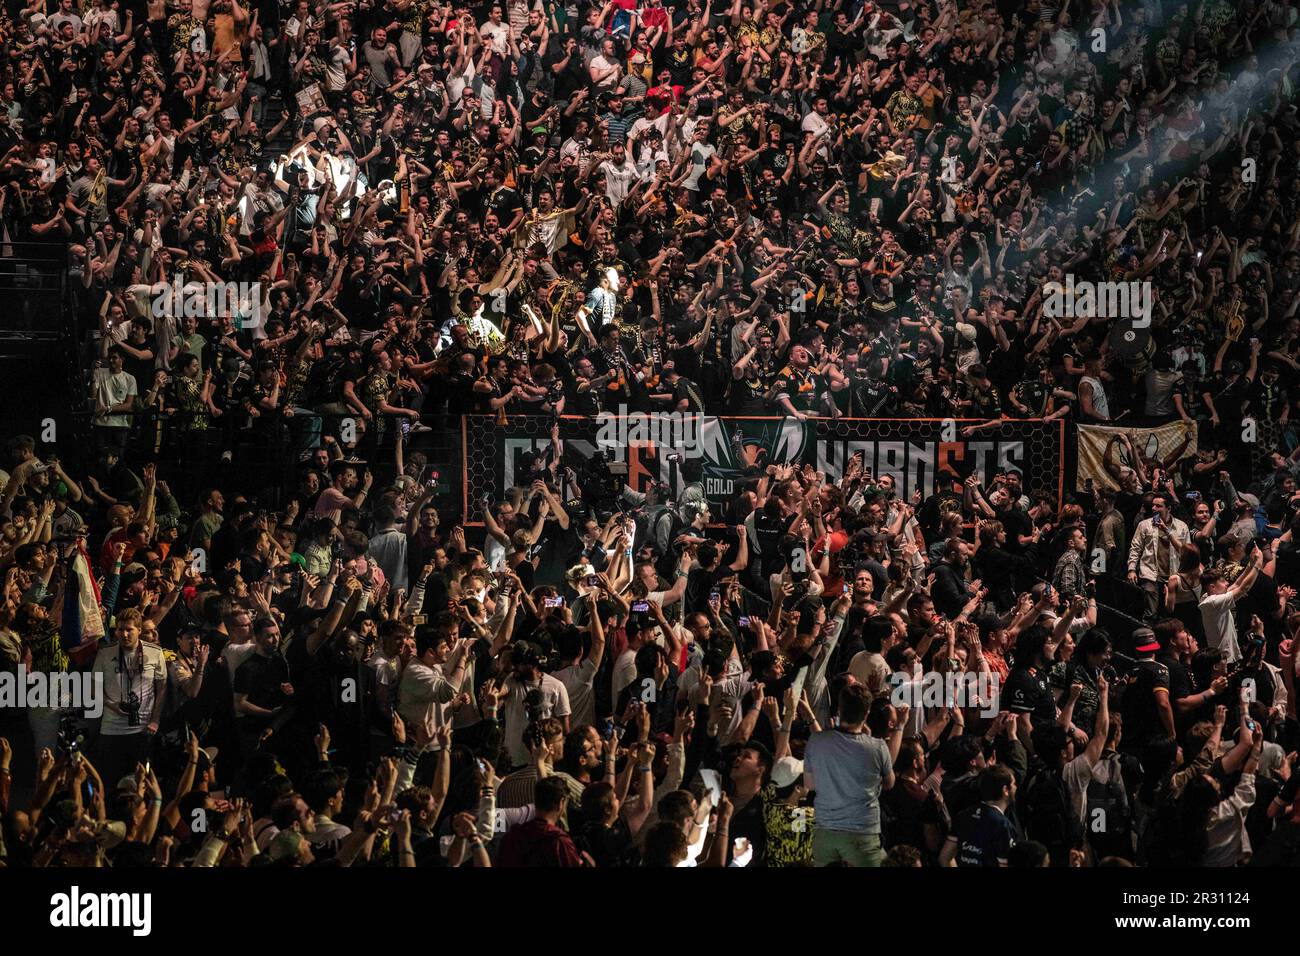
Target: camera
column 533, row 708
column 603, row 480
column 131, row 709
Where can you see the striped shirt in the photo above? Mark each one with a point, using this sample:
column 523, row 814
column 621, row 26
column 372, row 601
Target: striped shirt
column 519, row 789
column 619, row 124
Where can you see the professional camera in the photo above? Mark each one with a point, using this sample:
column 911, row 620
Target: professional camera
column 131, row 709
column 533, row 705
column 603, row 480
column 611, row 475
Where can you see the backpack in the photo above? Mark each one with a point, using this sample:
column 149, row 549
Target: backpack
column 645, row 520
column 666, row 564
column 1046, row 814
column 1108, row 814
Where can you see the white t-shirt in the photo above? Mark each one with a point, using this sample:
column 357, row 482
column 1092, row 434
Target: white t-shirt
column 624, row 671
column 815, row 123
column 554, row 703
column 1077, row 775
column 618, row 180
column 494, row 552
column 125, row 674
column 701, row 154
column 497, row 35
column 112, row 390
column 1220, row 624
column 578, row 681
column 867, row 663
column 599, row 64
column 336, row 69
column 457, row 82
column 424, row 696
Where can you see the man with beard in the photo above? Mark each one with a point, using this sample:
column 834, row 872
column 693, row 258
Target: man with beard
column 262, row 688
column 951, row 591
column 346, row 490
column 587, row 392
column 610, row 359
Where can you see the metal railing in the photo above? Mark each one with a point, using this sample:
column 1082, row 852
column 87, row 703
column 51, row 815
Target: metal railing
column 266, row 456
column 34, row 305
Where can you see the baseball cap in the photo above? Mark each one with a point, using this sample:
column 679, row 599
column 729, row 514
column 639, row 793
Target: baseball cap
column 1144, row 641
column 786, row 771
column 526, row 653
column 207, row 758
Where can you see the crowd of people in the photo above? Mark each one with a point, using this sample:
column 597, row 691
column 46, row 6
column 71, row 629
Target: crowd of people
column 803, row 208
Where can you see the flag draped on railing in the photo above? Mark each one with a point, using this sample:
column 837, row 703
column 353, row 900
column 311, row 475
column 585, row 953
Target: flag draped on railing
column 82, row 620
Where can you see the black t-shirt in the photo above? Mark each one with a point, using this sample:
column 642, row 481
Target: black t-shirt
column 1029, row 693
column 933, row 510
column 699, row 584
column 608, row 846
column 984, row 835
column 749, row 822
column 909, row 807
column 1180, row 681
column 505, row 202
column 260, row 678
column 871, row 396
column 557, row 545
column 1228, row 396
column 769, row 532
column 139, row 368
column 1141, row 715
column 1016, row 522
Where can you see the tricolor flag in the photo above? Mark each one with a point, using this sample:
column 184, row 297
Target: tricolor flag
column 83, row 623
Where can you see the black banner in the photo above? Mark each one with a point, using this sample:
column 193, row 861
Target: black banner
column 655, row 447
